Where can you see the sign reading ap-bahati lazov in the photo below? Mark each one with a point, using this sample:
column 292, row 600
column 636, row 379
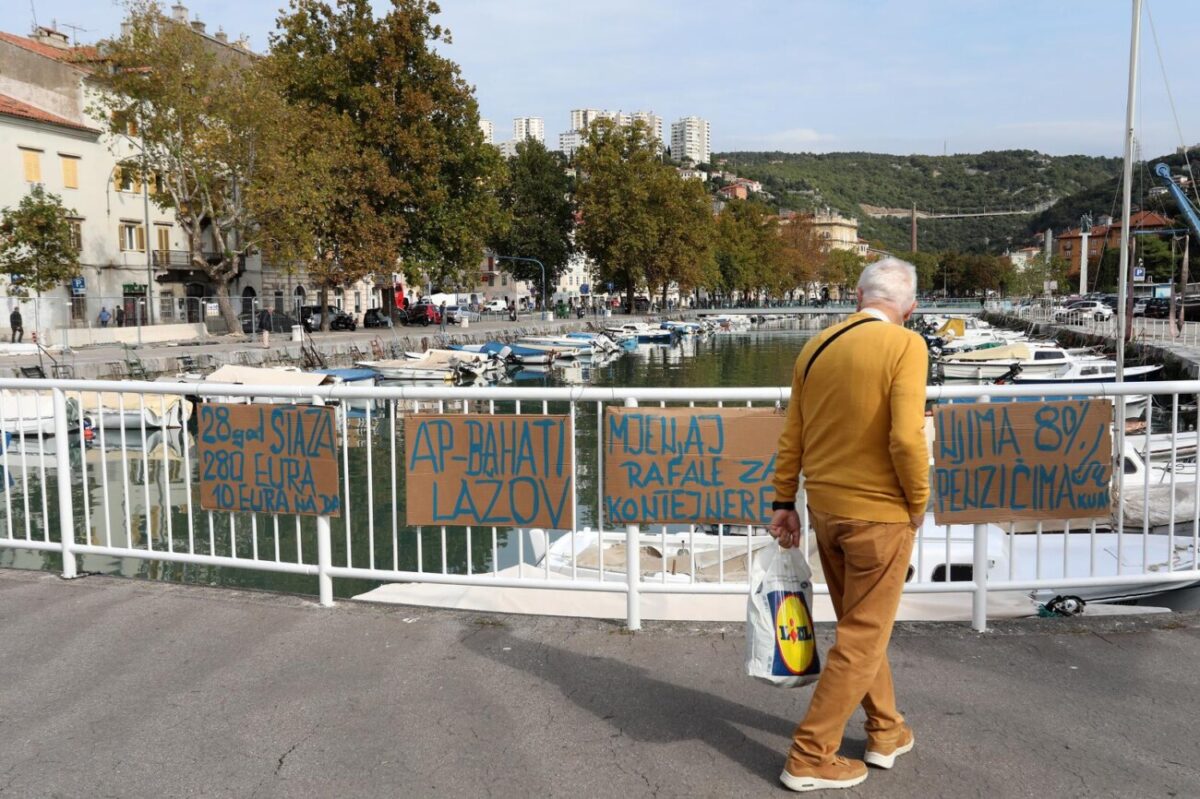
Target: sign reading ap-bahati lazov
column 1003, row 461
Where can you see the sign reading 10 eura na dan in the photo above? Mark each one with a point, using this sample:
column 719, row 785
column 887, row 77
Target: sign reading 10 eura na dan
column 1001, row 461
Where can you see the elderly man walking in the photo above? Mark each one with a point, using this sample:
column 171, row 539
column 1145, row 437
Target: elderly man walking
column 855, row 428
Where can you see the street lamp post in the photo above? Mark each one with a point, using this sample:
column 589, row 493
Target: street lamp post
column 531, row 261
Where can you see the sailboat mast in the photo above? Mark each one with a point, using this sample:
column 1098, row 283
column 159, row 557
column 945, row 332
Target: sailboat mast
column 1127, row 190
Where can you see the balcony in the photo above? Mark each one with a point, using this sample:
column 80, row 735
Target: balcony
column 181, row 259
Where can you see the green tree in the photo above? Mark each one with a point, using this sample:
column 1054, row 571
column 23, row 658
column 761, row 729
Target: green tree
column 198, row 123
column 685, row 233
column 35, row 244
column 418, row 181
column 618, row 166
column 802, row 254
column 842, row 268
column 926, row 264
column 750, row 254
column 541, row 217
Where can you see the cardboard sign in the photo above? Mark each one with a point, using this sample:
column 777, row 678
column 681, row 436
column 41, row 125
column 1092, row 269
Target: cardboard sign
column 476, row 469
column 1000, row 461
column 268, row 459
column 690, row 465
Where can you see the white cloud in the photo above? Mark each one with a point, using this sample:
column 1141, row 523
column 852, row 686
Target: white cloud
column 790, row 140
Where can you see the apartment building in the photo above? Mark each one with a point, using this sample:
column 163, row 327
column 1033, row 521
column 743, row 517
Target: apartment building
column 529, row 128
column 488, row 130
column 691, row 140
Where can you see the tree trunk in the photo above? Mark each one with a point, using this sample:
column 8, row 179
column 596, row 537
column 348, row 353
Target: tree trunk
column 225, row 304
column 323, row 304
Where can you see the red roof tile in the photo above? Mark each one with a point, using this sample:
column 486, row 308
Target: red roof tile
column 76, row 56
column 10, row 106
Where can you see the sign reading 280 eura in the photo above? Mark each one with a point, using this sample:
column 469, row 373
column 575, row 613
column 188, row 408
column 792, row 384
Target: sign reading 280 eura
column 690, row 465
column 268, row 459
column 1000, row 461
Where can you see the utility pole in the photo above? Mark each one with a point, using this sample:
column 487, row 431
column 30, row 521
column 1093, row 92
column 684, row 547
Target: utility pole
column 913, row 243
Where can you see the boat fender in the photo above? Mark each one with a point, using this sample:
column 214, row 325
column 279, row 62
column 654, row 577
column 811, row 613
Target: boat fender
column 1062, row 606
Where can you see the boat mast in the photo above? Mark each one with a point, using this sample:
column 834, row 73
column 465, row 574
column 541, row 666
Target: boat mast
column 1126, row 191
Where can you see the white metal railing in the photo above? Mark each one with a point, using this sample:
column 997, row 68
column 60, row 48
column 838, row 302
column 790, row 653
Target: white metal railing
column 129, row 495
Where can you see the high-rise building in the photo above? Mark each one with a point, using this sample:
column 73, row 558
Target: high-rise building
column 529, row 128
column 489, row 130
column 652, row 121
column 582, row 117
column 571, row 141
column 691, row 140
column 508, row 149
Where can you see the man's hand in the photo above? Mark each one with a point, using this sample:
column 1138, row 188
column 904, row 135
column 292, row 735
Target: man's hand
column 916, row 520
column 785, row 527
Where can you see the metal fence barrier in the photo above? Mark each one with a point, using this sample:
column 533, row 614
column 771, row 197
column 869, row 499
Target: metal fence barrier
column 87, row 473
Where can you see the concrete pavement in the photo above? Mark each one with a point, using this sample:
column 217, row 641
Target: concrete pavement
column 126, row 688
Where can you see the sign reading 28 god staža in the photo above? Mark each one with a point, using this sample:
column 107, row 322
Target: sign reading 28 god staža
column 268, row 459
column 1001, row 461
column 478, row 469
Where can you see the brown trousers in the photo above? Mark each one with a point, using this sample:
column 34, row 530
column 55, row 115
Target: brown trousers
column 865, row 565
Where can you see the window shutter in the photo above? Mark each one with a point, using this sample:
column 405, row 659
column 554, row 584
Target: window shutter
column 33, row 166
column 141, row 238
column 70, row 168
column 121, row 237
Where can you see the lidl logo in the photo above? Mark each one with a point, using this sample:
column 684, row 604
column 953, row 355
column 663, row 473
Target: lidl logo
column 795, row 635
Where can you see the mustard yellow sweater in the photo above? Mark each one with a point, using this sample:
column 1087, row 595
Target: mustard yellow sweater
column 857, row 431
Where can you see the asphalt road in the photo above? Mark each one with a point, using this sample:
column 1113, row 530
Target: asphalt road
column 122, row 688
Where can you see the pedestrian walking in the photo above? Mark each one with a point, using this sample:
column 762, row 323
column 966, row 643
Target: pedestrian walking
column 442, row 316
column 18, row 327
column 264, row 324
column 855, row 428
column 104, row 316
column 120, row 316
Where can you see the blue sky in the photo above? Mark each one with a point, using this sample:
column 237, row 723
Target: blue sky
column 898, row 76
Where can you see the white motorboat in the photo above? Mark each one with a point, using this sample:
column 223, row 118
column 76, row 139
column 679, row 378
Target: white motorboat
column 476, row 363
column 129, row 411
column 990, row 364
column 1089, row 371
column 410, row 369
column 26, row 413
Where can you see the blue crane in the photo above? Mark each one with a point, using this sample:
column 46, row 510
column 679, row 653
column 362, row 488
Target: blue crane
column 1181, row 199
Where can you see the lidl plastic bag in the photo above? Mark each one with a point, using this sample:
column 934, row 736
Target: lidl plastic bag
column 781, row 647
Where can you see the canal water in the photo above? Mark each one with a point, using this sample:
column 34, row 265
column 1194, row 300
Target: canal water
column 130, row 494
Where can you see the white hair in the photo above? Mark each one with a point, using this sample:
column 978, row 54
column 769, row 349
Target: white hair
column 889, row 280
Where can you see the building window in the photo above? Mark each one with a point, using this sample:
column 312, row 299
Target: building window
column 128, row 179
column 76, row 234
column 79, row 309
column 358, row 302
column 70, row 171
column 132, row 237
column 166, row 307
column 32, row 160
column 162, row 243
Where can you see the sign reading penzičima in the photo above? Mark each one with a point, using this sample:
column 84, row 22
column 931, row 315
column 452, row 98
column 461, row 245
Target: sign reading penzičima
column 1003, row 461
column 268, row 459
column 690, row 465
column 485, row 470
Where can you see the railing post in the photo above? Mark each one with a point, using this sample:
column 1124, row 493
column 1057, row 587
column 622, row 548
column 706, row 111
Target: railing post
column 66, row 512
column 979, row 573
column 324, row 550
column 633, row 565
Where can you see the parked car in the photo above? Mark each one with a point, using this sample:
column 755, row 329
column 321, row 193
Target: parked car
column 1084, row 309
column 280, row 322
column 1158, row 308
column 310, row 317
column 423, row 313
column 456, row 313
column 376, row 317
column 1139, row 306
column 495, row 306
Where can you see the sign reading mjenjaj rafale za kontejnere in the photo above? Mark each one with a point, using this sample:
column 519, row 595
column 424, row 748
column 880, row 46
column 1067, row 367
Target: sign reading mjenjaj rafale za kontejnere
column 1002, row 461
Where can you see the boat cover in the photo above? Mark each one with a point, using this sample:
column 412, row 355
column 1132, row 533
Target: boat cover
column 250, row 375
column 1013, row 352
